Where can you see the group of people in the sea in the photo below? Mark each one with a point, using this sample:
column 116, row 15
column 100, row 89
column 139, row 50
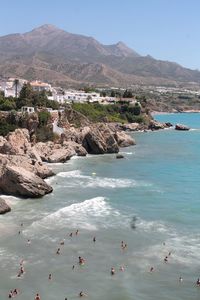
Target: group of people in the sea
column 81, row 261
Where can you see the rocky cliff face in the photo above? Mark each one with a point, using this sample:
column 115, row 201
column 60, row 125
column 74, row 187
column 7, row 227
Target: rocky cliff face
column 22, row 170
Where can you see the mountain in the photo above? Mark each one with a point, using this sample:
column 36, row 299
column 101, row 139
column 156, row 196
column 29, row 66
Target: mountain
column 54, row 55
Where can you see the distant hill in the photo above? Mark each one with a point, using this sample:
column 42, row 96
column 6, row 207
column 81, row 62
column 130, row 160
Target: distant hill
column 54, row 55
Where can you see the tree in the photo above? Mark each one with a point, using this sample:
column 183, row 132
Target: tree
column 112, row 94
column 137, row 109
column 127, row 94
column 16, row 85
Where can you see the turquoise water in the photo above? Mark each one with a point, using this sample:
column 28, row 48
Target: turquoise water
column 157, row 184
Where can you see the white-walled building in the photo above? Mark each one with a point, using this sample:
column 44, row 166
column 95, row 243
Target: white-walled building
column 9, row 88
column 40, row 86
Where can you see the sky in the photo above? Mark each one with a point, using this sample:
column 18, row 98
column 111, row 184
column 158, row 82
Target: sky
column 165, row 29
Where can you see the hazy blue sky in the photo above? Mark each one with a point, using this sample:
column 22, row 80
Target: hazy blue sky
column 165, row 29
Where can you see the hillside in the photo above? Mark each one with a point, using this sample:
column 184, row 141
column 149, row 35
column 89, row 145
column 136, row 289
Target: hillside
column 54, row 55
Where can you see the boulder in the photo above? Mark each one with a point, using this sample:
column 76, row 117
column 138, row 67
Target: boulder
column 154, row 125
column 4, row 207
column 99, row 139
column 32, row 165
column 119, row 156
column 123, row 139
column 181, row 127
column 79, row 149
column 60, row 155
column 131, row 126
column 18, row 142
column 18, row 181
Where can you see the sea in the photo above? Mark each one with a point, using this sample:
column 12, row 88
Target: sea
column 128, row 214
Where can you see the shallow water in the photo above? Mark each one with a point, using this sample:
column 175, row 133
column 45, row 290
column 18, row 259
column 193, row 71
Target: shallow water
column 157, row 184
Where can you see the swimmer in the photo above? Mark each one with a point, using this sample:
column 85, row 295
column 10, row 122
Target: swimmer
column 77, row 232
column 81, row 294
column 198, row 282
column 28, row 242
column 10, row 295
column 22, row 271
column 50, row 276
column 121, row 269
column 169, row 253
column 73, row 267
column 21, row 224
column 180, row 279
column 124, row 247
column 122, row 244
column 81, row 260
column 37, row 297
column 62, row 243
column 112, row 271
column 58, row 251
column 151, row 269
column 94, row 239
column 71, row 234
column 19, row 232
column 166, row 259
column 15, row 292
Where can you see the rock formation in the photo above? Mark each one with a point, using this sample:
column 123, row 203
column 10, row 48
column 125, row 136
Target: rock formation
column 18, row 181
column 181, row 127
column 4, row 207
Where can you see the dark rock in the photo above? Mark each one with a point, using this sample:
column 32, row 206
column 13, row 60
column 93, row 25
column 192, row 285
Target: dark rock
column 4, row 207
column 119, row 156
column 181, row 127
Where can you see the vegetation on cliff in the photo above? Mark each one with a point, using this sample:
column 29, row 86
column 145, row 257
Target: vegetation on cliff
column 120, row 112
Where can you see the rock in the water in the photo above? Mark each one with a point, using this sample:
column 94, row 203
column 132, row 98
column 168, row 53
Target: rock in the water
column 98, row 139
column 119, row 156
column 154, row 125
column 18, row 181
column 123, row 139
column 181, row 127
column 4, row 207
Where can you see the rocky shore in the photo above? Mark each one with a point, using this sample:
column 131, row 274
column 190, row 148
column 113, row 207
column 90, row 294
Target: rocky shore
column 23, row 165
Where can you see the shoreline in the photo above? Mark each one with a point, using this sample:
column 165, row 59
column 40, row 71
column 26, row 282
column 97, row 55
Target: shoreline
column 154, row 113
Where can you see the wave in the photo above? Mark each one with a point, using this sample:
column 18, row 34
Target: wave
column 89, row 215
column 102, row 182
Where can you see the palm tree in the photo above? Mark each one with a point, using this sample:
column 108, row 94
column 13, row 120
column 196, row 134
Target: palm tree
column 16, row 85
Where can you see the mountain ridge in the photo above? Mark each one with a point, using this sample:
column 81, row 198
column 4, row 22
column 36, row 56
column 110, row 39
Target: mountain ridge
column 83, row 60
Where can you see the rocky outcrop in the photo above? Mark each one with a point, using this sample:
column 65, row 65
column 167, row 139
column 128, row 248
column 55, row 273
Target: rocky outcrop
column 31, row 165
column 4, row 207
column 181, row 127
column 155, row 125
column 123, row 139
column 60, row 155
column 17, row 142
column 131, row 127
column 53, row 153
column 18, row 181
column 99, row 139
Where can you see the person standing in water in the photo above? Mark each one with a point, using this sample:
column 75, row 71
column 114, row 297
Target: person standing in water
column 37, row 297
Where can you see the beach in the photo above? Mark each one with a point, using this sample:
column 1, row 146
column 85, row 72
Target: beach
column 149, row 200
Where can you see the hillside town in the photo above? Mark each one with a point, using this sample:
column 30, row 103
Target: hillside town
column 11, row 87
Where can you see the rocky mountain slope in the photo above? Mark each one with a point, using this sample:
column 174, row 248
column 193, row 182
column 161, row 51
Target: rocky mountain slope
column 51, row 54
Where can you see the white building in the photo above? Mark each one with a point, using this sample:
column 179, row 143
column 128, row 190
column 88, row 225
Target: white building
column 9, row 88
column 40, row 86
column 28, row 109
